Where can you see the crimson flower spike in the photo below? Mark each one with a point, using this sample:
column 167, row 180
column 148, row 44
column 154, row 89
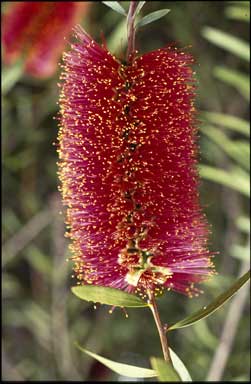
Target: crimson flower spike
column 37, row 30
column 128, row 169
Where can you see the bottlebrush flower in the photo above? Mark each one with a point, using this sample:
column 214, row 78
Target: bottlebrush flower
column 128, row 157
column 36, row 30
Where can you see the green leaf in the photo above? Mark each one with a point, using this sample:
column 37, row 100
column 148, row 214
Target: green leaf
column 217, row 303
column 118, row 38
column 234, row 149
column 38, row 260
column 234, row 78
column 228, row 121
column 235, row 178
column 139, row 7
column 203, row 335
column 109, row 296
column 179, row 366
column 120, row 368
column 243, row 223
column 164, row 370
column 240, row 252
column 152, row 17
column 115, row 6
column 10, row 76
column 238, row 13
column 228, row 42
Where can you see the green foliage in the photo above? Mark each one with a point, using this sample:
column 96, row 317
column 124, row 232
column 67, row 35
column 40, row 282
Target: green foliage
column 139, row 7
column 237, row 150
column 238, row 13
column 115, row 6
column 117, row 40
column 212, row 307
column 109, row 296
column 235, row 178
column 180, row 367
column 152, row 17
column 164, row 370
column 10, row 76
column 228, row 42
column 120, row 368
column 234, row 78
column 230, row 122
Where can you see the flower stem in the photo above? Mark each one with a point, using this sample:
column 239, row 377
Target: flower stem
column 162, row 334
column 131, row 29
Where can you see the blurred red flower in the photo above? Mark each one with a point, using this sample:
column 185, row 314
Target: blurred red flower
column 36, row 30
column 128, row 168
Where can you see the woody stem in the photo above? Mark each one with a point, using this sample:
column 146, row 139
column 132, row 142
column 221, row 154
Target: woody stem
column 162, row 334
column 131, row 29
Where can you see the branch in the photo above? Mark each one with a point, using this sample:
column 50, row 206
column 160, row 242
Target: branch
column 161, row 330
column 131, row 30
column 26, row 234
column 61, row 343
column 227, row 338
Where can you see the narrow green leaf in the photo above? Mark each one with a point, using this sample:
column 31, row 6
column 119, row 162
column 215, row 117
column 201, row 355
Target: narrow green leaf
column 217, row 303
column 106, row 295
column 139, row 7
column 152, row 17
column 180, row 367
column 235, row 179
column 120, row 368
column 238, row 13
column 234, row 149
column 164, row 370
column 243, row 223
column 228, row 42
column 10, row 76
column 228, row 121
column 234, row 78
column 115, row 6
column 240, row 252
column 117, row 40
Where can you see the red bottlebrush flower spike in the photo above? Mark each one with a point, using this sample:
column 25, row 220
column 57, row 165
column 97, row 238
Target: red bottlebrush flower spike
column 128, row 170
column 37, row 30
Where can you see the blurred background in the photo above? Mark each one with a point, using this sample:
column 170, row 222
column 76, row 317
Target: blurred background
column 41, row 318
